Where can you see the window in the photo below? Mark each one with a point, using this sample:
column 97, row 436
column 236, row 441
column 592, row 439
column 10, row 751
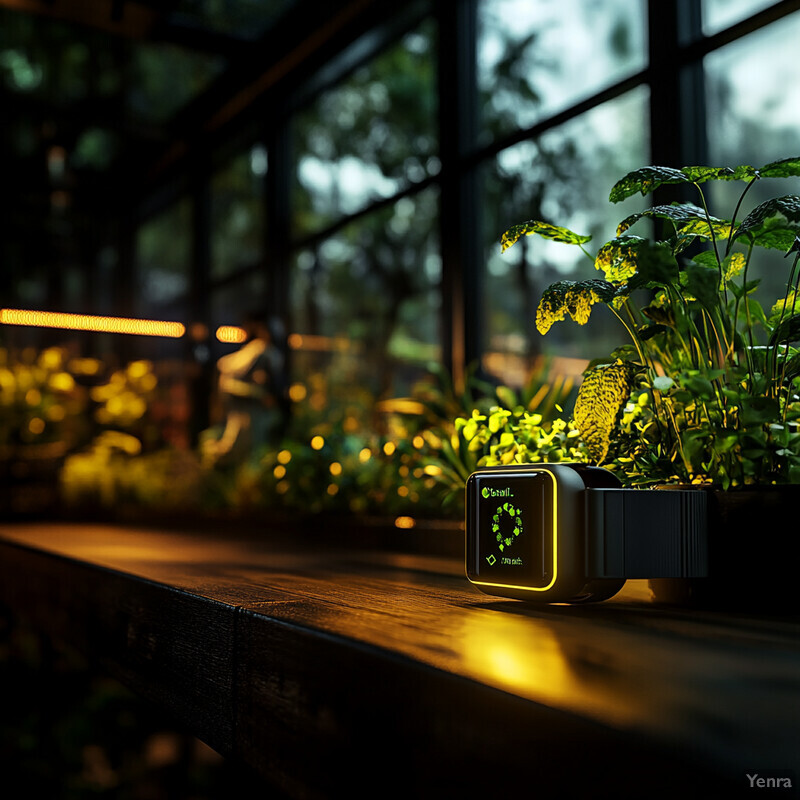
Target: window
column 753, row 97
column 163, row 252
column 719, row 14
column 368, row 137
column 237, row 213
column 365, row 280
column 538, row 58
column 563, row 97
column 563, row 177
column 365, row 301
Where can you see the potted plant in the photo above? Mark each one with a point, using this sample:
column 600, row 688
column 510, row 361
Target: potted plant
column 705, row 389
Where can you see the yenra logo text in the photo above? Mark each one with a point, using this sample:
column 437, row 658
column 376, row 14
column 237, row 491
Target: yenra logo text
column 489, row 492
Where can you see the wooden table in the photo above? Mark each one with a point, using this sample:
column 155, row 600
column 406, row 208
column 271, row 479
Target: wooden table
column 332, row 668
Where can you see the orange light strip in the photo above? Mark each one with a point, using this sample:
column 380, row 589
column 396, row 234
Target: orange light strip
column 230, row 334
column 88, row 322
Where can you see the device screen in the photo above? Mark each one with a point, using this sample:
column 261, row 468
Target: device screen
column 514, row 541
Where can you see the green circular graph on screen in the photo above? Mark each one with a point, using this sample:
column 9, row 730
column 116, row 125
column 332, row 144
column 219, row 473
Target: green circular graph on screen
column 506, row 525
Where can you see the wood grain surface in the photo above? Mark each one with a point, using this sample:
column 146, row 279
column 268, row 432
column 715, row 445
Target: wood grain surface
column 328, row 667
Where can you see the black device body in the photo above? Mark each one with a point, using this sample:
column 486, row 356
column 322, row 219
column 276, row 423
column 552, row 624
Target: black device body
column 570, row 533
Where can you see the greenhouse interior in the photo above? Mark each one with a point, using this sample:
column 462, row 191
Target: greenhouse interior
column 330, row 465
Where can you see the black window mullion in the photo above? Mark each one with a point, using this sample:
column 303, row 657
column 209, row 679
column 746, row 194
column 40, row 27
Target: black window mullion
column 277, row 225
column 459, row 203
column 198, row 340
column 677, row 103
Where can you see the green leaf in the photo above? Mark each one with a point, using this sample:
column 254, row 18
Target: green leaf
column 717, row 228
column 773, row 224
column 786, row 306
column 602, row 394
column 645, row 180
column 703, row 283
column 707, row 258
column 793, row 367
column 575, row 298
column 758, row 410
column 663, row 383
column 785, row 168
column 743, row 172
column 662, row 315
column 506, row 396
column 544, row 229
column 677, row 212
column 787, row 331
column 733, row 265
column 655, row 263
column 699, row 386
column 618, row 258
column 649, row 331
column 740, row 291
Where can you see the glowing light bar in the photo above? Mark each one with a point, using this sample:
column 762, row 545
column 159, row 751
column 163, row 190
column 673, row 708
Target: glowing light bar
column 87, row 322
column 230, row 334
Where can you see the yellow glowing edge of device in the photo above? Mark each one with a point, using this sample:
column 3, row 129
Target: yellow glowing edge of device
column 555, row 547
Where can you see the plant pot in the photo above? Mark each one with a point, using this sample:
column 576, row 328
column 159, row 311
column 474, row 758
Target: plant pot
column 751, row 553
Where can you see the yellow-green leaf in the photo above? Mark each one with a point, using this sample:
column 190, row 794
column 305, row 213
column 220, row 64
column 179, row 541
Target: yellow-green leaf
column 617, row 258
column 544, row 229
column 603, row 393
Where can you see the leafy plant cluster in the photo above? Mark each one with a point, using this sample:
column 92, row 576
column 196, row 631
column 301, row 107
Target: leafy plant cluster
column 344, row 450
column 707, row 388
column 403, row 456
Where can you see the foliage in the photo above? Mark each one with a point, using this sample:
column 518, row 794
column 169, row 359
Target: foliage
column 113, row 472
column 42, row 403
column 485, row 425
column 405, row 456
column 344, row 451
column 706, row 390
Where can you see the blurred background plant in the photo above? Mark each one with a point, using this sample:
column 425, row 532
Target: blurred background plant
column 43, row 416
column 343, row 451
column 43, row 402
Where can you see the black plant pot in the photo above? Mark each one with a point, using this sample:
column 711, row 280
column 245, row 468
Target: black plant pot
column 752, row 541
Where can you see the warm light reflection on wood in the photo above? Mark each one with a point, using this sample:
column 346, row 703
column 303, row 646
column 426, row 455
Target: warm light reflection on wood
column 525, row 656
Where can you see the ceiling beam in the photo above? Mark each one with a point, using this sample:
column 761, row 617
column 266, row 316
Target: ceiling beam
column 129, row 19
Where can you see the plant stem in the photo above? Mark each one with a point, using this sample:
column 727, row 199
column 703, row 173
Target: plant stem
column 796, row 275
column 748, row 349
column 713, row 240
column 735, row 214
column 791, row 291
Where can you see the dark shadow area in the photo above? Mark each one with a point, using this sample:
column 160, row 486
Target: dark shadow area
column 69, row 732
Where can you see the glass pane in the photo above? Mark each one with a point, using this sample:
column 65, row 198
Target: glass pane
column 537, row 58
column 237, row 213
column 753, row 91
column 235, row 302
column 154, row 99
column 369, row 137
column 366, row 304
column 719, row 14
column 163, row 252
column 246, row 18
column 564, row 178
